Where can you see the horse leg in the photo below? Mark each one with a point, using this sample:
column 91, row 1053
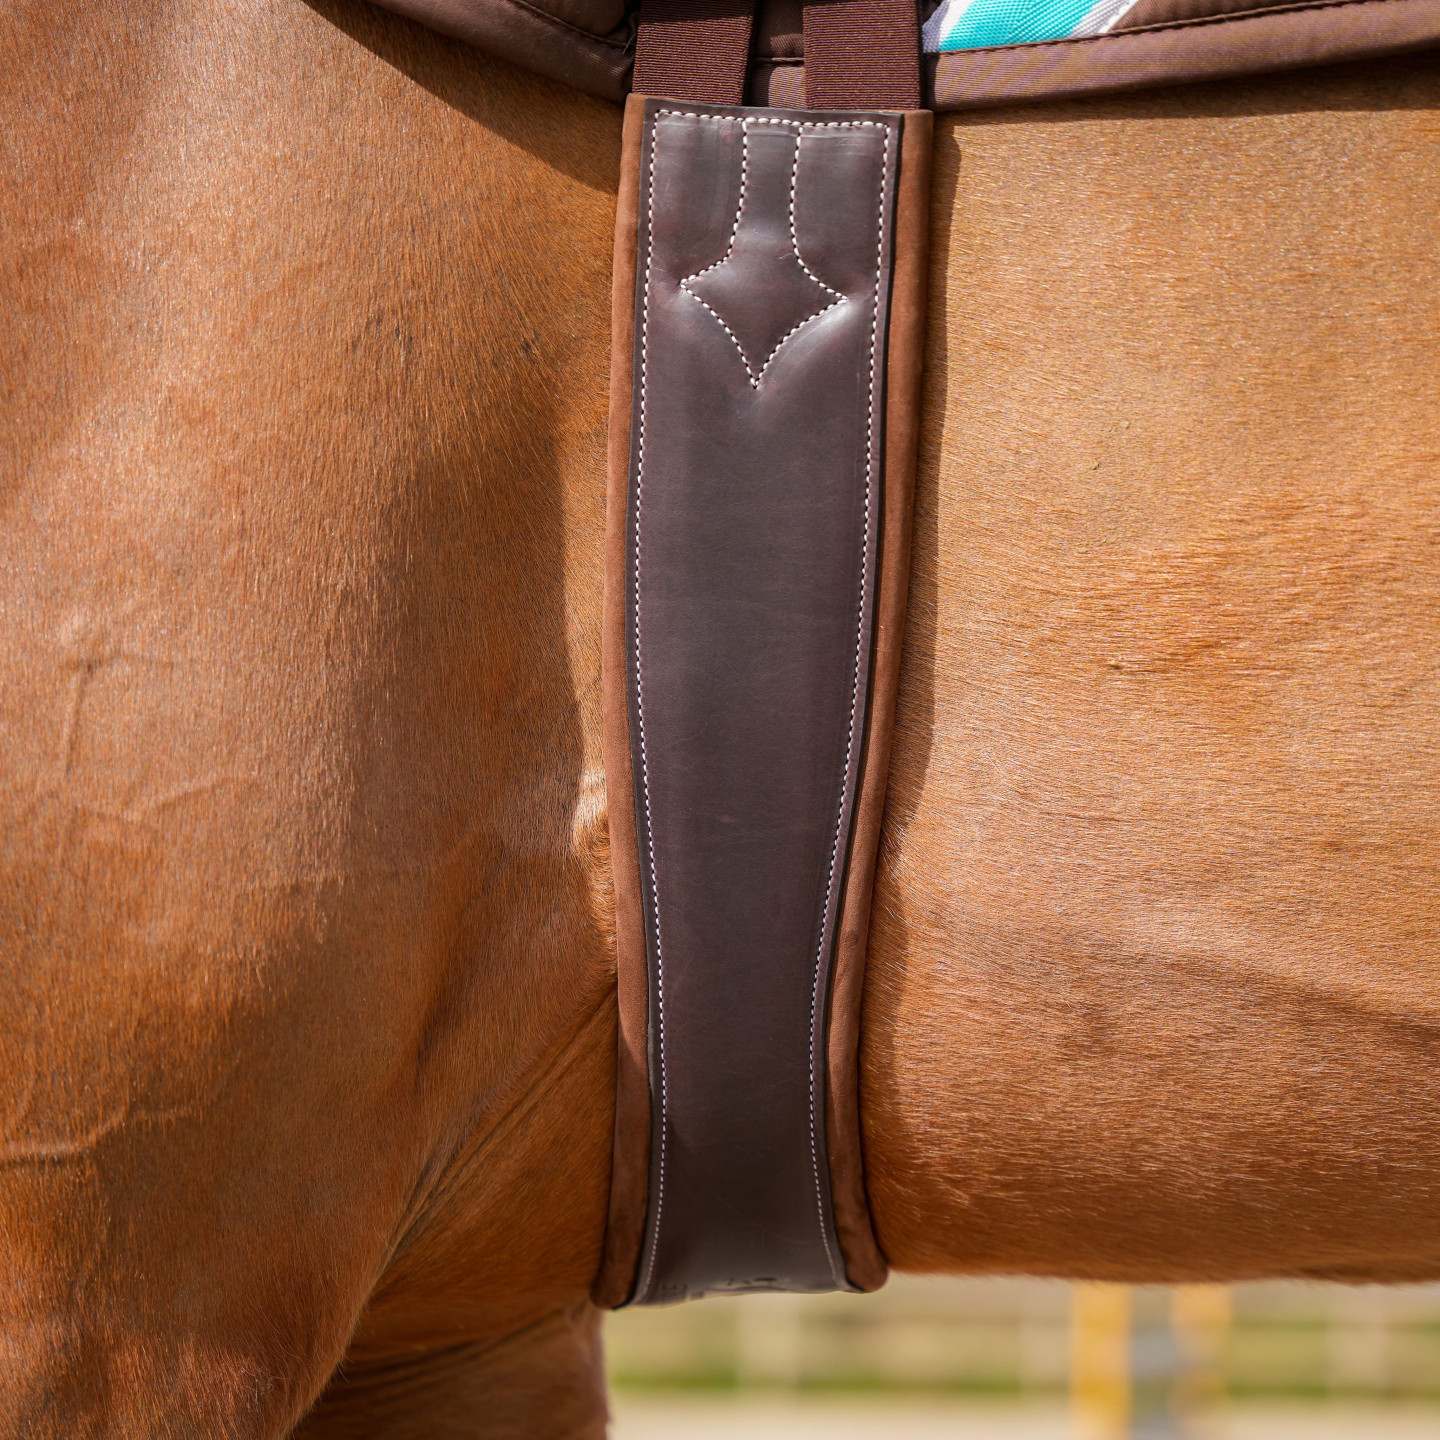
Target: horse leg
column 310, row 331
column 543, row 1382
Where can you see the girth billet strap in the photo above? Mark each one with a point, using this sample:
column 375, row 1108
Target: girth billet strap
column 769, row 286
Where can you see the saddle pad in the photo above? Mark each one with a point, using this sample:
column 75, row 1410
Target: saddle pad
column 984, row 52
column 971, row 24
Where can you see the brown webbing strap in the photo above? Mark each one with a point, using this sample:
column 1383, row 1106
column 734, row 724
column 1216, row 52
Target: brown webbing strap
column 862, row 55
column 859, row 54
column 694, row 50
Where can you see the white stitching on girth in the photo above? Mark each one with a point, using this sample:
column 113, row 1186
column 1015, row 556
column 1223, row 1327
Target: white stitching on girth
column 640, row 711
column 854, row 696
column 644, row 1286
column 757, row 375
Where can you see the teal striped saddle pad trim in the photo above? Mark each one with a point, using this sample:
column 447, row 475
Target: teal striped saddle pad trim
column 969, row 24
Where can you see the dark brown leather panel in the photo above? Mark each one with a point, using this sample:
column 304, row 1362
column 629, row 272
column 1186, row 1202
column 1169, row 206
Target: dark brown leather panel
column 752, row 532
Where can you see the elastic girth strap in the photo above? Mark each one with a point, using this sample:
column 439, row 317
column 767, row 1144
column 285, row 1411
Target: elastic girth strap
column 862, row 55
column 859, row 54
column 694, row 50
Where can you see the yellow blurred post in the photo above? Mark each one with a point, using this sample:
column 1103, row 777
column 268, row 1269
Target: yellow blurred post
column 1200, row 1318
column 1100, row 1361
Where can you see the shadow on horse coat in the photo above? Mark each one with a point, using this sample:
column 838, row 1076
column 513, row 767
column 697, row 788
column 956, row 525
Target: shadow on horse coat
column 307, row 1035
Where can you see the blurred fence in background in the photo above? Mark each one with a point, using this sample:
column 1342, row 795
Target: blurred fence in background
column 1131, row 1362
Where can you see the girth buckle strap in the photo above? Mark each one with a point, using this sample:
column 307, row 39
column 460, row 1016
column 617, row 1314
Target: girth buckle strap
column 859, row 54
column 768, row 314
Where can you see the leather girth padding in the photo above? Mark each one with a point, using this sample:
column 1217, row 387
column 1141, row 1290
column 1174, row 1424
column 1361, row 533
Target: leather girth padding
column 769, row 305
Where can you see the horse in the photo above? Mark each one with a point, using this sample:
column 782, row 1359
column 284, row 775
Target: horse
column 308, row 1036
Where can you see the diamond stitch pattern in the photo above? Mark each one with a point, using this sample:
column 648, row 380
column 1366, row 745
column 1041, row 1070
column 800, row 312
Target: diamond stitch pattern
column 761, row 291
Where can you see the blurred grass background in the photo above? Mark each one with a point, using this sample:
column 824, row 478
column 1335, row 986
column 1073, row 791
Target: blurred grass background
column 1092, row 1362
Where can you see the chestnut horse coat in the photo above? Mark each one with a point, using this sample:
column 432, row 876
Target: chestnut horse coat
column 306, row 975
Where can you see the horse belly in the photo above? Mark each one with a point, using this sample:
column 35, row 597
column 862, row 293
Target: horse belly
column 1154, row 988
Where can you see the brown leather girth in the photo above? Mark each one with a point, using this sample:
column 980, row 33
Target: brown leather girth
column 769, row 306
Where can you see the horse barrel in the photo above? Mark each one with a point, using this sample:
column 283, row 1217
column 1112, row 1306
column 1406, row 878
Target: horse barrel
column 768, row 313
